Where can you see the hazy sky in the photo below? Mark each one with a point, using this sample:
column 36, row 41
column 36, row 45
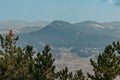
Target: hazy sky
column 68, row 10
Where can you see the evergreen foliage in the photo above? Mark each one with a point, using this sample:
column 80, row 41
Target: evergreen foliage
column 65, row 74
column 107, row 66
column 44, row 68
column 79, row 75
column 18, row 63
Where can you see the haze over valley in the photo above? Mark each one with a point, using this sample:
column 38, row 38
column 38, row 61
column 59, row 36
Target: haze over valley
column 84, row 38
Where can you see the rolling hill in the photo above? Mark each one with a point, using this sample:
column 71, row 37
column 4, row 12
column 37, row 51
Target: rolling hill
column 85, row 38
column 20, row 26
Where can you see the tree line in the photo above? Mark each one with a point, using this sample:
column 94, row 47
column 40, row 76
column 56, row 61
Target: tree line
column 18, row 63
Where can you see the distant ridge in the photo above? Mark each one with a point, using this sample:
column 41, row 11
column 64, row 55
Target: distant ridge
column 20, row 25
column 84, row 38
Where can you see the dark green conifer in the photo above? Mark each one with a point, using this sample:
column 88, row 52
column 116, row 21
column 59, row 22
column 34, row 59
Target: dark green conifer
column 44, row 68
column 64, row 74
column 107, row 66
column 79, row 75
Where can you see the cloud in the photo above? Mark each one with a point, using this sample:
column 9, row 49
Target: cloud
column 110, row 1
column 117, row 2
column 114, row 2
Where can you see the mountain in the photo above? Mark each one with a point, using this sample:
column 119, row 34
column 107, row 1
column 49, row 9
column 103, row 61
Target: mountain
column 85, row 38
column 21, row 26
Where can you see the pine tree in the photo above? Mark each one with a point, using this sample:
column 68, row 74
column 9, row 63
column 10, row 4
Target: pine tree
column 24, row 64
column 107, row 66
column 64, row 74
column 44, row 68
column 7, row 58
column 13, row 60
column 79, row 75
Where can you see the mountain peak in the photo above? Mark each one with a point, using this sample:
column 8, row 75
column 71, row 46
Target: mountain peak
column 89, row 22
column 58, row 22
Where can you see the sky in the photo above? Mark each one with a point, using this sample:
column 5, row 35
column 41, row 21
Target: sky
column 66, row 10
